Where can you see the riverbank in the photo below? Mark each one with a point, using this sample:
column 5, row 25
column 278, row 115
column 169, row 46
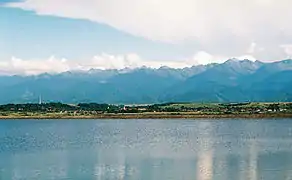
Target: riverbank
column 152, row 116
column 154, row 111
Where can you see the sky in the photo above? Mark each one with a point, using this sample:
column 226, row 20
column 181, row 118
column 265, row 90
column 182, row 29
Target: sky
column 38, row 36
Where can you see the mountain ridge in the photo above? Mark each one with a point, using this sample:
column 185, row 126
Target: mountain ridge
column 231, row 81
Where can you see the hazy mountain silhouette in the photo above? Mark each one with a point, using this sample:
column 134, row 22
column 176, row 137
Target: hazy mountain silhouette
column 231, row 81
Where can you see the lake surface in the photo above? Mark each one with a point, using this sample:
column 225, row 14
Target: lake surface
column 146, row 149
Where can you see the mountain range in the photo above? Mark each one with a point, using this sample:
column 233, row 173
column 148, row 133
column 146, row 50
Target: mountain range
column 231, row 81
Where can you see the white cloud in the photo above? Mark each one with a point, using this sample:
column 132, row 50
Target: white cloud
column 287, row 49
column 227, row 27
column 176, row 20
column 106, row 61
column 132, row 60
column 205, row 58
column 56, row 65
column 252, row 48
column 102, row 61
column 30, row 67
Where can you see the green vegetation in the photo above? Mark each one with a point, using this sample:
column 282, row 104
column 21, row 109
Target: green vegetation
column 167, row 110
column 233, row 108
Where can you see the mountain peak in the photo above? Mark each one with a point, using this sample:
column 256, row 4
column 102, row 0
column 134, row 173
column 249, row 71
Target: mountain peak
column 235, row 60
column 232, row 60
column 164, row 67
column 287, row 61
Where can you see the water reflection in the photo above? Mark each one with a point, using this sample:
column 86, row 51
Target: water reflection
column 205, row 151
column 144, row 150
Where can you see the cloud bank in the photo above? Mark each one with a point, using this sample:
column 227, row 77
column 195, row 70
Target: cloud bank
column 175, row 20
column 258, row 29
column 207, row 21
column 17, row 66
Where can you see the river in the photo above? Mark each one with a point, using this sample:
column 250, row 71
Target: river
column 234, row 149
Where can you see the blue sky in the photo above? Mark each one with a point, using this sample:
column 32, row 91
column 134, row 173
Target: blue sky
column 28, row 35
column 102, row 33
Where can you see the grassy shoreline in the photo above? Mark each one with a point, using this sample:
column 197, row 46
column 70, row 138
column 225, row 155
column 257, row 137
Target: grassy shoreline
column 154, row 111
column 152, row 116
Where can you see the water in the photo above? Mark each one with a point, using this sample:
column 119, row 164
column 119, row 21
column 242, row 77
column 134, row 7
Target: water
column 146, row 149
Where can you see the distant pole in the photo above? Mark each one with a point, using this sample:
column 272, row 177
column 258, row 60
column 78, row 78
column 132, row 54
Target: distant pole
column 40, row 99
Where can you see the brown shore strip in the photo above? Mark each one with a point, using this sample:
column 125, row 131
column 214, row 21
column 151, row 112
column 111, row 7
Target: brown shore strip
column 154, row 116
